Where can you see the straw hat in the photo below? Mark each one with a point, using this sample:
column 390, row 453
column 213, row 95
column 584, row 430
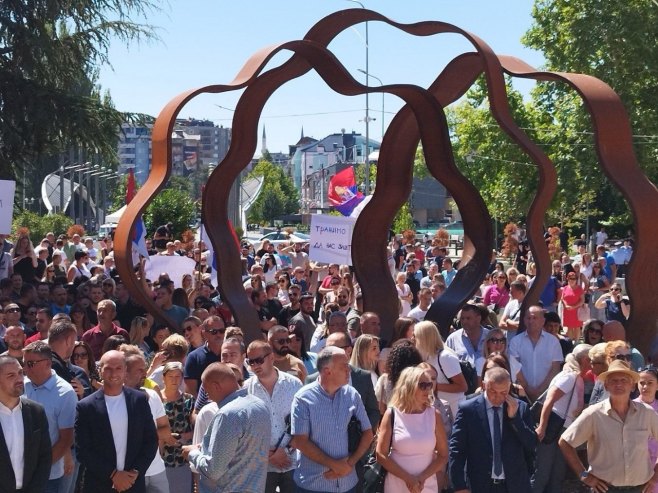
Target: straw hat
column 619, row 367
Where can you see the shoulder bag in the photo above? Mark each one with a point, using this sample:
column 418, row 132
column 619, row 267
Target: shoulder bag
column 555, row 421
column 374, row 473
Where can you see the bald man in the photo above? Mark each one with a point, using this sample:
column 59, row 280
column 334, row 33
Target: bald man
column 234, row 454
column 116, row 438
column 615, row 331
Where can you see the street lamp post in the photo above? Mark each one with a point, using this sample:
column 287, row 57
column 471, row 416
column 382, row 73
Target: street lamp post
column 367, row 119
column 383, row 94
column 72, row 169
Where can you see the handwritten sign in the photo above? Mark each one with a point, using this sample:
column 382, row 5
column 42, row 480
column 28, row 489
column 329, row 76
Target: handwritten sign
column 7, row 189
column 331, row 239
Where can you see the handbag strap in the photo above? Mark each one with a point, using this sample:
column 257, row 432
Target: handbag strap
column 390, row 444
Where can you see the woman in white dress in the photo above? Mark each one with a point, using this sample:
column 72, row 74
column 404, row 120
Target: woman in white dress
column 404, row 293
column 412, row 445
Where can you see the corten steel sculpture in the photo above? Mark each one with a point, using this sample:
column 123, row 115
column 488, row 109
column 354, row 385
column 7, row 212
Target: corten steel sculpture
column 421, row 119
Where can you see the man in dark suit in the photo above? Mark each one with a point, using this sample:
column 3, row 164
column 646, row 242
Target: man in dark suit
column 25, row 448
column 116, row 438
column 359, row 379
column 493, row 440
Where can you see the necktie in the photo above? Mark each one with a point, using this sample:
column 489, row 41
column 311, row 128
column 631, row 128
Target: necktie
column 497, row 444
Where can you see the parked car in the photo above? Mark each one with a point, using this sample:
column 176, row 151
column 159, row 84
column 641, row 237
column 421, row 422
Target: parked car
column 278, row 237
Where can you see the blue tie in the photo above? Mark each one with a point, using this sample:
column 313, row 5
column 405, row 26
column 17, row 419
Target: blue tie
column 497, row 444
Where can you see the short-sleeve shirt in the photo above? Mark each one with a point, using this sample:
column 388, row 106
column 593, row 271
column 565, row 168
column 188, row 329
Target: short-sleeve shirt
column 617, row 450
column 95, row 338
column 536, row 360
column 448, row 368
column 568, row 382
column 59, row 400
column 460, row 343
column 324, row 419
column 197, row 361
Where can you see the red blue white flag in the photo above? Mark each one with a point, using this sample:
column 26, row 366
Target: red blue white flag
column 343, row 193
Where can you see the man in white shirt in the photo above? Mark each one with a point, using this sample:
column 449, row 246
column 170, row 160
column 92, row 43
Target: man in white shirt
column 424, row 302
column 538, row 352
column 512, row 313
column 25, row 451
column 277, row 390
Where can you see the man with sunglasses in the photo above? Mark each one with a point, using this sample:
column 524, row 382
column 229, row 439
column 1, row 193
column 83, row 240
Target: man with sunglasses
column 278, row 337
column 291, row 309
column 213, row 330
column 277, row 390
column 615, row 331
column 59, row 400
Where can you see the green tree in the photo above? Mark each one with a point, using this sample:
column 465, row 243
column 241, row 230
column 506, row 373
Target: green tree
column 173, row 206
column 279, row 191
column 403, row 219
column 49, row 58
column 614, row 41
column 39, row 225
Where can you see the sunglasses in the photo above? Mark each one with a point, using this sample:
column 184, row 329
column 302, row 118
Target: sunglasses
column 615, row 289
column 215, row 331
column 651, row 369
column 281, row 341
column 623, row 357
column 498, row 340
column 282, row 281
column 79, row 356
column 425, row 385
column 597, row 331
column 257, row 361
column 32, row 364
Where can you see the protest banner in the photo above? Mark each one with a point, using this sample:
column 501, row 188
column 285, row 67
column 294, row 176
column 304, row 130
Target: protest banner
column 331, row 239
column 175, row 266
column 7, row 189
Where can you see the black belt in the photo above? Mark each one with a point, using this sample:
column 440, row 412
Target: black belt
column 497, row 481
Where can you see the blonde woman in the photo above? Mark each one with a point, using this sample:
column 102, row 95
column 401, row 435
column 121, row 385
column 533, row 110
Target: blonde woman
column 366, row 354
column 24, row 259
column 450, row 383
column 412, row 445
column 139, row 329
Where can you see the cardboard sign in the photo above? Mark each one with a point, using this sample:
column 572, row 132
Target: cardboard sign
column 331, row 239
column 7, row 190
column 175, row 266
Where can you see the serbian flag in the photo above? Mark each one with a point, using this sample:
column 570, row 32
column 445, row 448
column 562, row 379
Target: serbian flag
column 139, row 236
column 342, row 193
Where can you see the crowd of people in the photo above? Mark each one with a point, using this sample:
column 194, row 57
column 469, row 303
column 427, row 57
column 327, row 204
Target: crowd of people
column 98, row 395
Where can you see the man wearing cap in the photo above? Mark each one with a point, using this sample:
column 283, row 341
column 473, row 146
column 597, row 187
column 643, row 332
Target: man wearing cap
column 616, row 431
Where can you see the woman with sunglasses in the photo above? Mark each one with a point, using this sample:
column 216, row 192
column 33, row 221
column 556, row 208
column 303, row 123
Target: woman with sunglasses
column 79, row 318
column 496, row 342
column 648, row 388
column 593, row 331
column 496, row 296
column 616, row 307
column 572, row 298
column 84, row 358
column 614, row 350
column 598, row 286
column 565, row 397
column 419, row 445
column 283, row 282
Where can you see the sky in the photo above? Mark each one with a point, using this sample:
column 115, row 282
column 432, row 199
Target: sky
column 206, row 42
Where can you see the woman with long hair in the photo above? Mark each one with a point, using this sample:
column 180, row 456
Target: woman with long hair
column 283, row 283
column 496, row 342
column 83, row 357
column 403, row 328
column 496, row 296
column 402, row 355
column 450, row 383
column 365, row 355
column 78, row 315
column 566, row 397
column 187, row 283
column 24, row 258
column 139, row 330
column 593, row 331
column 404, row 293
column 419, row 447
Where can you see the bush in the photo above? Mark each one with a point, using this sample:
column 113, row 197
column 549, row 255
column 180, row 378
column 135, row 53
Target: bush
column 170, row 206
column 38, row 225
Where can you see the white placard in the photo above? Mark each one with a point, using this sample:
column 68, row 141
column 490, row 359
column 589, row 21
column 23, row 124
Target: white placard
column 7, row 190
column 331, row 239
column 176, row 266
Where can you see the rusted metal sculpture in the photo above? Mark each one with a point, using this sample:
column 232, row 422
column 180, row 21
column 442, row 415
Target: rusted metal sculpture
column 421, row 120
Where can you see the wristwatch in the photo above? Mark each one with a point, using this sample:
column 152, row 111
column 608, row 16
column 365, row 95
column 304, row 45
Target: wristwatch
column 584, row 475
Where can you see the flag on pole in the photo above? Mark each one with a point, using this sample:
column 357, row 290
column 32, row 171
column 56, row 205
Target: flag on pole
column 343, row 193
column 139, row 236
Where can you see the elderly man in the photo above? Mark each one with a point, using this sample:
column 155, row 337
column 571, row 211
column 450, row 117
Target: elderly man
column 616, row 431
column 325, row 463
column 493, row 440
column 234, row 454
column 97, row 335
column 25, row 447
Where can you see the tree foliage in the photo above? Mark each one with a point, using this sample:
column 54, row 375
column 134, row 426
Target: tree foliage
column 277, row 197
column 39, row 225
column 49, row 58
column 170, row 205
column 403, row 219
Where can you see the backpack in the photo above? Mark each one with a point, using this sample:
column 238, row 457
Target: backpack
column 470, row 375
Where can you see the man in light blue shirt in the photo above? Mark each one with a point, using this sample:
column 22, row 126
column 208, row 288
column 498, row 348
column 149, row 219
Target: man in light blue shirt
column 233, row 457
column 321, row 412
column 468, row 342
column 59, row 400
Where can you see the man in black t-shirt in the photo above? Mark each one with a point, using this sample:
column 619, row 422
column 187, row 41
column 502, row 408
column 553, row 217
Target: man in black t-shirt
column 162, row 235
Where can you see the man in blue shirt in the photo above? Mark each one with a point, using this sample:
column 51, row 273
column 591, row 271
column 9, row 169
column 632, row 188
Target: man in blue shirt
column 321, row 412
